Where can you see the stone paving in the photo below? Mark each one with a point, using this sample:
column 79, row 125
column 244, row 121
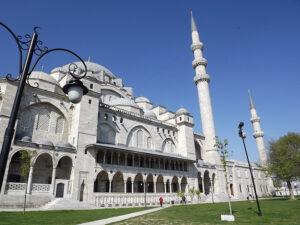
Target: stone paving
column 123, row 217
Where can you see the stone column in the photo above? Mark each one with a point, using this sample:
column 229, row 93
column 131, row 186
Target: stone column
column 139, row 161
column 52, row 189
column 104, row 157
column 125, row 186
column 154, row 183
column 111, row 158
column 126, row 159
column 118, row 159
column 164, row 164
column 203, row 187
column 29, row 185
column 132, row 186
column 149, row 165
column 132, row 160
column 3, row 188
column 179, row 188
column 170, row 184
column 110, row 186
column 165, row 187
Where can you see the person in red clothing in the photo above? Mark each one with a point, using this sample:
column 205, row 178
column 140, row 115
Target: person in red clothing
column 161, row 201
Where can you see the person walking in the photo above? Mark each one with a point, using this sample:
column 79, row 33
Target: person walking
column 161, row 201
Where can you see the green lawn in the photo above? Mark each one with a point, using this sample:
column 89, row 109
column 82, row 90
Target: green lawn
column 62, row 216
column 274, row 211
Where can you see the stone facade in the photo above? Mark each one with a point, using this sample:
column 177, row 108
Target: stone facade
column 111, row 148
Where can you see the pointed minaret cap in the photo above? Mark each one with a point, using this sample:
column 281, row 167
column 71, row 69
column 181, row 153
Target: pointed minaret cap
column 193, row 24
column 251, row 101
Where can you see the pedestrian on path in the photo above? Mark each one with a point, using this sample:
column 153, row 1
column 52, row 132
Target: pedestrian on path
column 161, row 201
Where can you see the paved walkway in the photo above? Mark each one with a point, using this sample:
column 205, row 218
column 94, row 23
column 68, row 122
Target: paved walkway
column 124, row 217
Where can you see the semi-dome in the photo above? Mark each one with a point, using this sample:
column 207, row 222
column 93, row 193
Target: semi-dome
column 26, row 139
column 39, row 75
column 123, row 102
column 149, row 113
column 181, row 111
column 92, row 67
column 64, row 144
column 44, row 142
column 142, row 99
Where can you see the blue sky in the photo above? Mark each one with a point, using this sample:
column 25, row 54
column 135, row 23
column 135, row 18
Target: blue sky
column 248, row 44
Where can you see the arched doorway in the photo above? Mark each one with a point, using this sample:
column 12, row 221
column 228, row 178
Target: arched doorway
column 128, row 185
column 117, row 184
column 183, row 184
column 138, row 183
column 15, row 168
column 168, row 186
column 206, row 183
column 43, row 167
column 174, row 184
column 64, row 168
column 101, row 183
column 200, row 187
column 150, row 186
column 160, row 184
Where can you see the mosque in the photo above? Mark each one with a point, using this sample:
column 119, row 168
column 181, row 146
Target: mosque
column 114, row 150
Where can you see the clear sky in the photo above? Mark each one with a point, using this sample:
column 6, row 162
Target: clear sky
column 248, row 44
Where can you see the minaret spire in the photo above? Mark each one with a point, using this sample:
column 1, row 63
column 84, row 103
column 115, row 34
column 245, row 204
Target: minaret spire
column 251, row 101
column 258, row 133
column 202, row 80
column 193, row 24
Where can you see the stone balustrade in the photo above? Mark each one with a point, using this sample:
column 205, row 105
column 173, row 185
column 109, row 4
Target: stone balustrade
column 20, row 187
column 135, row 199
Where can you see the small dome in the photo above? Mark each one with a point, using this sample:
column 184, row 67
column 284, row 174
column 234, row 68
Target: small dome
column 44, row 142
column 123, row 102
column 26, row 139
column 181, row 111
column 64, row 144
column 142, row 99
column 149, row 113
column 93, row 67
column 39, row 75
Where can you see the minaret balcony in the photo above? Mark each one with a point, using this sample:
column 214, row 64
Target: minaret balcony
column 255, row 119
column 195, row 46
column 258, row 134
column 199, row 62
column 201, row 78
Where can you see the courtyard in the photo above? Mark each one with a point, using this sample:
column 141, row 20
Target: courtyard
column 274, row 211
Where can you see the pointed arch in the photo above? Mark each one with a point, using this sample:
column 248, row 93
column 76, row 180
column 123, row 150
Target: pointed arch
column 139, row 137
column 169, row 146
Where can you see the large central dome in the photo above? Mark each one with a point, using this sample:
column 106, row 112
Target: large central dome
column 91, row 67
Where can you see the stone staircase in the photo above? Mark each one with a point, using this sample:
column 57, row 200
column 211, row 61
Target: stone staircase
column 66, row 203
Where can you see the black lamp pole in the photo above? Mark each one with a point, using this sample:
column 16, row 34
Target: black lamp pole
column 33, row 47
column 243, row 136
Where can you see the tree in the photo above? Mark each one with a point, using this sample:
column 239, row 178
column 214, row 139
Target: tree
column 222, row 148
column 284, row 159
column 26, row 157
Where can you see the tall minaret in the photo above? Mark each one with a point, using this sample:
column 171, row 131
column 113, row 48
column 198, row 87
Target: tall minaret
column 201, row 80
column 258, row 133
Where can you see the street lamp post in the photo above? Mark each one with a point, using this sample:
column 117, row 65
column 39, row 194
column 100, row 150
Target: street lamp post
column 243, row 136
column 75, row 88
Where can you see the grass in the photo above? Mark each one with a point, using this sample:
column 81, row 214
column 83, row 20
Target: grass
column 274, row 212
column 62, row 216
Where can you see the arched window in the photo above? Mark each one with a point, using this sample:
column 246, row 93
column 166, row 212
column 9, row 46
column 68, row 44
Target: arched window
column 139, row 139
column 43, row 120
column 168, row 146
column 59, row 125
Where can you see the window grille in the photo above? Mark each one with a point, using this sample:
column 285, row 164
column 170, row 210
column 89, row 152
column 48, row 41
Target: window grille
column 59, row 125
column 43, row 120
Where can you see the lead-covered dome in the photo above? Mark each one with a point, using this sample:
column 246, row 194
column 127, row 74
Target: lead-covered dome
column 142, row 100
column 182, row 111
column 149, row 114
column 42, row 76
column 91, row 67
column 123, row 102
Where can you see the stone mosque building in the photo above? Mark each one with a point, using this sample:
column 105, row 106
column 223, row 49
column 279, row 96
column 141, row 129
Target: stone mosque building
column 112, row 147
